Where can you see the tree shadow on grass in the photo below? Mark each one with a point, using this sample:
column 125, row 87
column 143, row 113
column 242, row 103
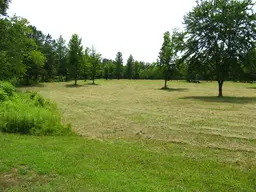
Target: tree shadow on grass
column 78, row 85
column 95, row 84
column 251, row 87
column 228, row 99
column 173, row 89
column 74, row 86
column 34, row 85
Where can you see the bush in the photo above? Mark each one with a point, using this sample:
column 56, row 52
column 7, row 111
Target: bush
column 3, row 95
column 8, row 88
column 30, row 113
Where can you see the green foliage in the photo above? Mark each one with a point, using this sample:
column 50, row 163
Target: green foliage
column 119, row 65
column 37, row 58
column 167, row 55
column 14, row 43
column 136, row 69
column 28, row 113
column 8, row 88
column 4, row 5
column 218, row 35
column 94, row 64
column 50, row 65
column 61, row 52
column 129, row 71
column 85, row 71
column 75, row 57
column 108, row 69
column 3, row 95
column 250, row 66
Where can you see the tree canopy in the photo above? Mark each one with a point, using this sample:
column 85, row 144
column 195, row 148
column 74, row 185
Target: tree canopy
column 218, row 43
column 167, row 55
column 75, row 57
column 4, row 5
column 218, row 35
column 119, row 64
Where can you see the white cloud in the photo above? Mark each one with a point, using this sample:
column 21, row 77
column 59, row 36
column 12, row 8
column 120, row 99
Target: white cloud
column 131, row 26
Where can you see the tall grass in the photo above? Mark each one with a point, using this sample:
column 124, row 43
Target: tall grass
column 29, row 113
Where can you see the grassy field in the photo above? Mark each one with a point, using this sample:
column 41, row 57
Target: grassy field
column 137, row 137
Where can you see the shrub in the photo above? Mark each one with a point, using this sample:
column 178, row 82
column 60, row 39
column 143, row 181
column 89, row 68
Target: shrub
column 3, row 95
column 30, row 113
column 8, row 88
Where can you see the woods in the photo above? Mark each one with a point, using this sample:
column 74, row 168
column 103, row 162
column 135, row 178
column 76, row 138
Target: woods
column 217, row 43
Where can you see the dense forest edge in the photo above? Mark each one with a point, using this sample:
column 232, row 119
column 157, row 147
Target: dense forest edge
column 219, row 46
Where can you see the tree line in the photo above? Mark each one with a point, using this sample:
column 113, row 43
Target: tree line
column 217, row 43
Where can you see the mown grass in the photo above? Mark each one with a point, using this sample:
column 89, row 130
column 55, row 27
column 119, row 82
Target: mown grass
column 78, row 164
column 186, row 113
column 137, row 137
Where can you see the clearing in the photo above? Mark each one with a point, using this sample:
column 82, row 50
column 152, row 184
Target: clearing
column 137, row 137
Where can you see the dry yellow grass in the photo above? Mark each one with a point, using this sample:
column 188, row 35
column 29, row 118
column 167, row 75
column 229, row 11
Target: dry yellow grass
column 186, row 113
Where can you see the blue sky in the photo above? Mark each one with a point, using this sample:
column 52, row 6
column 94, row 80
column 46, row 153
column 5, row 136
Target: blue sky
column 131, row 26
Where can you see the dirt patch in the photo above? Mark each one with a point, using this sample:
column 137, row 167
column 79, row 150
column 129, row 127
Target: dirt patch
column 8, row 180
column 21, row 176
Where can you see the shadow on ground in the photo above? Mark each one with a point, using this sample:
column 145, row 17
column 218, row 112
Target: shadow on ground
column 78, row 85
column 173, row 89
column 241, row 100
column 74, row 86
column 251, row 87
column 95, row 84
column 35, row 85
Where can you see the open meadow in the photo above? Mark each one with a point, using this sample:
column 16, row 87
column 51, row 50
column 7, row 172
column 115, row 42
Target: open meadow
column 134, row 136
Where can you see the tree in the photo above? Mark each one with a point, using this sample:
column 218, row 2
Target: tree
column 249, row 68
column 75, row 57
column 218, row 35
column 167, row 55
column 108, row 69
column 49, row 50
column 86, row 64
column 130, row 62
column 119, row 65
column 95, row 63
column 15, row 46
column 4, row 5
column 136, row 69
column 61, row 52
column 34, row 61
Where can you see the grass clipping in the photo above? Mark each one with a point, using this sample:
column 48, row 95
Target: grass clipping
column 29, row 113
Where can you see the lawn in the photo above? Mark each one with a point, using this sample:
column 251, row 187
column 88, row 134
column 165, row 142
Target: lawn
column 136, row 137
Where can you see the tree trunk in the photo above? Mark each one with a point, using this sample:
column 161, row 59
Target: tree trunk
column 93, row 81
column 165, row 84
column 75, row 81
column 220, row 82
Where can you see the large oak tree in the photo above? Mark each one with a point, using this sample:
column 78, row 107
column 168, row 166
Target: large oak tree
column 218, row 35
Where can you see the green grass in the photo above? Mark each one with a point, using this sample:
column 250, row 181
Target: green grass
column 29, row 113
column 78, row 164
column 137, row 137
